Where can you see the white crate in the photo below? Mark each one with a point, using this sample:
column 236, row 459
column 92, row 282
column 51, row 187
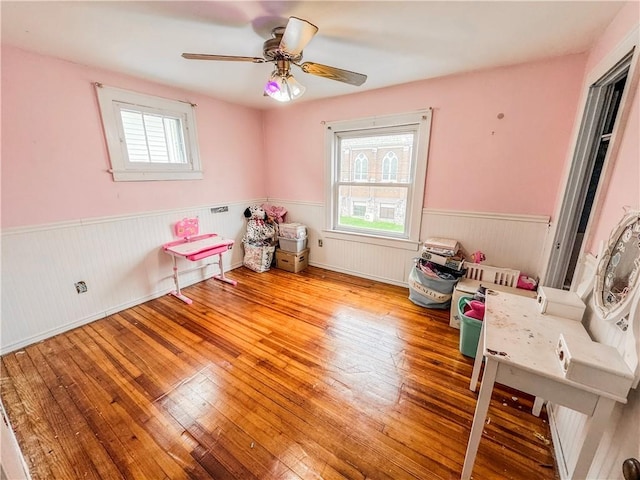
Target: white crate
column 293, row 245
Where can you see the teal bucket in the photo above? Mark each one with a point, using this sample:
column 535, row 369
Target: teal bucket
column 469, row 330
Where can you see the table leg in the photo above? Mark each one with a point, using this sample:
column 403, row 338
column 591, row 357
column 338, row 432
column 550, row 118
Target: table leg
column 478, row 362
column 482, row 406
column 594, row 428
column 177, row 293
column 221, row 276
column 537, row 406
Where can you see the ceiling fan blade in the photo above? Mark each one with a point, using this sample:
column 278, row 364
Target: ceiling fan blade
column 297, row 35
column 225, row 58
column 333, row 73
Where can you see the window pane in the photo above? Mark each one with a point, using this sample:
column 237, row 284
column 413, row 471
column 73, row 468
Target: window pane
column 373, row 208
column 134, row 135
column 376, row 158
column 153, row 138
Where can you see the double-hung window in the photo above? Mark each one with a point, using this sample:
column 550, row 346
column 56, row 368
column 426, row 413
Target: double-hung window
column 376, row 171
column 149, row 138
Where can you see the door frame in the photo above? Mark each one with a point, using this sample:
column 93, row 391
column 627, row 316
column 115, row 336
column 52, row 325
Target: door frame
column 563, row 229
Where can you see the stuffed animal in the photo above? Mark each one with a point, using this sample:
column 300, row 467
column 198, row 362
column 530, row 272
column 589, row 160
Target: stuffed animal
column 260, row 230
column 478, row 257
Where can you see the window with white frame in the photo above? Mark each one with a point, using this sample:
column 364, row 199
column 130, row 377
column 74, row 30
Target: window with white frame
column 396, row 147
column 149, row 138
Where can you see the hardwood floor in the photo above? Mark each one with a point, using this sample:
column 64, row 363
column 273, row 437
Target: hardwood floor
column 285, row 376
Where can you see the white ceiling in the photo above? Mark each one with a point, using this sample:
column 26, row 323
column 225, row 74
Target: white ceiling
column 393, row 42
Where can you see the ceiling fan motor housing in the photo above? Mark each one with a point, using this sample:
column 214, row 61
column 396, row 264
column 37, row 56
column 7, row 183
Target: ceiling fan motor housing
column 271, row 48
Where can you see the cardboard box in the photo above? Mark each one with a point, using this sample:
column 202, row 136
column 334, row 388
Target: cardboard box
column 292, row 262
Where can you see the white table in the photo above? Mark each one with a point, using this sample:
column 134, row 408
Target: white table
column 518, row 345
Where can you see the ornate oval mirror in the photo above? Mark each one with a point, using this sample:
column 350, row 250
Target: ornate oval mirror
column 618, row 269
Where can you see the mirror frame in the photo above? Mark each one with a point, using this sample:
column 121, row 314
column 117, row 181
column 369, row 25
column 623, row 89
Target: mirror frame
column 614, row 312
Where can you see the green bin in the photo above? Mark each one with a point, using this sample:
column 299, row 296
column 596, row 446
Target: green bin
column 469, row 330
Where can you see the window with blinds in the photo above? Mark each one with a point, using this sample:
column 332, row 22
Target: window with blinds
column 152, row 138
column 149, row 138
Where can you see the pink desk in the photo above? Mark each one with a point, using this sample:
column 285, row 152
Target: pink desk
column 194, row 249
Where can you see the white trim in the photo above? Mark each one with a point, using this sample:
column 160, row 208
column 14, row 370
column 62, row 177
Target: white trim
column 420, row 120
column 110, row 100
column 400, row 243
column 610, row 59
column 113, row 218
column 293, row 202
column 12, row 461
column 514, row 217
column 628, row 43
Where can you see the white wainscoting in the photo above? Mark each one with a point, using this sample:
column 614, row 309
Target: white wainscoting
column 510, row 241
column 123, row 265
column 119, row 258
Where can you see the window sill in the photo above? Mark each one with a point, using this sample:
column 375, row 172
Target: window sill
column 129, row 176
column 399, row 243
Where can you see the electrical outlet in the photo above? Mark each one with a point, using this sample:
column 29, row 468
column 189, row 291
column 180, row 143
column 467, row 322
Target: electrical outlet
column 219, row 209
column 81, row 287
column 319, row 242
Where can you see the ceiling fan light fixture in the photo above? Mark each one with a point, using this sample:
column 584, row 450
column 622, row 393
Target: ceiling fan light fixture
column 283, row 88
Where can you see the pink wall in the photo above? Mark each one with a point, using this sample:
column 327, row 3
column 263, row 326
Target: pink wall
column 623, row 188
column 54, row 157
column 621, row 26
column 476, row 162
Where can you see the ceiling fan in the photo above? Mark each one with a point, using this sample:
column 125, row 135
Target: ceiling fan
column 285, row 49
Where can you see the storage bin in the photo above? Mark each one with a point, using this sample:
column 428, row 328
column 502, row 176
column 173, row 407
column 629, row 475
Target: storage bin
column 428, row 291
column 469, row 330
column 467, row 286
column 257, row 257
column 292, row 230
column 293, row 245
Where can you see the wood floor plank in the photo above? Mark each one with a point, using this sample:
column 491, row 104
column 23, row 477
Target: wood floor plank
column 315, row 375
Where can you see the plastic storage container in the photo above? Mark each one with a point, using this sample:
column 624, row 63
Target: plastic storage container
column 469, row 330
column 293, row 245
column 292, row 230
